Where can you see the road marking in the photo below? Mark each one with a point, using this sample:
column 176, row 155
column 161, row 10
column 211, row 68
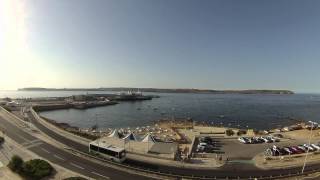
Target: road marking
column 58, row 157
column 24, row 144
column 32, row 145
column 34, row 141
column 27, row 140
column 75, row 165
column 30, row 142
column 43, row 149
column 100, row 175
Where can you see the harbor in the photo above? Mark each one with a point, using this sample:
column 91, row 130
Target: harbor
column 174, row 141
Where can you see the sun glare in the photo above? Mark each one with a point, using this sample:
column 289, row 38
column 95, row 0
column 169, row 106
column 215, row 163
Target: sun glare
column 18, row 63
column 13, row 38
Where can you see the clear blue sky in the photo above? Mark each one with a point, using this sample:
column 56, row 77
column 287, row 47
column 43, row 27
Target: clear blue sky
column 227, row 44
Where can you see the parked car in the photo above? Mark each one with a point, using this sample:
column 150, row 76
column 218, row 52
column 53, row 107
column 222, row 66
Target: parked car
column 200, row 148
column 271, row 139
column 264, row 139
column 297, row 150
column 272, row 152
column 315, row 147
column 202, row 144
column 287, row 150
column 304, row 149
column 243, row 140
column 308, row 147
column 276, row 152
column 274, row 139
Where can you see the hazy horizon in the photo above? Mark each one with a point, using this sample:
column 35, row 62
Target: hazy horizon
column 299, row 92
column 222, row 44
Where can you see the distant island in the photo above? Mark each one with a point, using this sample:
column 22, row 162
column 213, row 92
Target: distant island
column 159, row 90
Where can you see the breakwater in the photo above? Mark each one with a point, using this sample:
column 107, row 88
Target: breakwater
column 82, row 105
column 237, row 111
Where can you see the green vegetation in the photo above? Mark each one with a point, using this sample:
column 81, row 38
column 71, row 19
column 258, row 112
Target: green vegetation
column 241, row 132
column 7, row 108
column 34, row 169
column 1, row 139
column 37, row 169
column 229, row 132
column 16, row 164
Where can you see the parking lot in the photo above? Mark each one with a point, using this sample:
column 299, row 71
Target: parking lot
column 232, row 149
column 207, row 145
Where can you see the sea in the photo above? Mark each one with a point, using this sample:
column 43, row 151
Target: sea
column 256, row 111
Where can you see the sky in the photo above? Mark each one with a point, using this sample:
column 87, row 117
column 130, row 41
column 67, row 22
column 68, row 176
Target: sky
column 207, row 44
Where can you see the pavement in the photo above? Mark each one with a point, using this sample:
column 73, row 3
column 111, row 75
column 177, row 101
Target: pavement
column 9, row 148
column 231, row 169
column 59, row 156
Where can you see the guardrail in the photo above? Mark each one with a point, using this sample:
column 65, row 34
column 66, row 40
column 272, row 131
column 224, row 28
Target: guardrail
column 192, row 144
column 177, row 176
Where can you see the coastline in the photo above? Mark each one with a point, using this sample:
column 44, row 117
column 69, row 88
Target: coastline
column 159, row 90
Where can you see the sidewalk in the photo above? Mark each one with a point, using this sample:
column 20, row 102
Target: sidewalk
column 71, row 136
column 10, row 148
column 196, row 163
column 286, row 161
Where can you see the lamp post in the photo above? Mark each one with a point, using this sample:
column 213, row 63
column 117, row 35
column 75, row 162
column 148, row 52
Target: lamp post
column 96, row 128
column 305, row 159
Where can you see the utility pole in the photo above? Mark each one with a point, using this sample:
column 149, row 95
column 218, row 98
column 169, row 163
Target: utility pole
column 305, row 159
column 96, row 126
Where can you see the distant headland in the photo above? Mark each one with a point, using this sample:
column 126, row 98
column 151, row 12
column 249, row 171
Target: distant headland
column 159, row 90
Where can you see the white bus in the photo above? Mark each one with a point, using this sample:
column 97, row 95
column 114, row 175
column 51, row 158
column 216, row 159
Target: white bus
column 108, row 151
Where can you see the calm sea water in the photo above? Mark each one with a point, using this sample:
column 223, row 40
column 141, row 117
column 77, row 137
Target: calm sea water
column 234, row 110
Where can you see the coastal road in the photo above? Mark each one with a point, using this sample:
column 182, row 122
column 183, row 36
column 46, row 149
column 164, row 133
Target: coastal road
column 61, row 157
column 233, row 170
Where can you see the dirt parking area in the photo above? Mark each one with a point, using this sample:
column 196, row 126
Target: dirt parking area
column 233, row 149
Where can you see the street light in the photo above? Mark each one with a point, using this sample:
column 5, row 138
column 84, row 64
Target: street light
column 96, row 128
column 305, row 159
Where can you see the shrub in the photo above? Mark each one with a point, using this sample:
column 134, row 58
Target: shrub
column 7, row 108
column 37, row 168
column 1, row 139
column 229, row 132
column 241, row 132
column 16, row 164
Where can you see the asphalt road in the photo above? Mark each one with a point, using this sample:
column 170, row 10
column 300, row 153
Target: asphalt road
column 61, row 157
column 231, row 170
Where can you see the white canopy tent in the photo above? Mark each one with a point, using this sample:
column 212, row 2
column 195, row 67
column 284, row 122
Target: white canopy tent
column 148, row 138
column 130, row 137
column 114, row 134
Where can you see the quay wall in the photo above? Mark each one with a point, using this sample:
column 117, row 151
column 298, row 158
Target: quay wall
column 51, row 107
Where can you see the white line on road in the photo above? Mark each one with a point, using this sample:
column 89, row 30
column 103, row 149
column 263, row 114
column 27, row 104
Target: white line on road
column 75, row 165
column 27, row 140
column 32, row 145
column 34, row 141
column 100, row 175
column 58, row 157
column 43, row 149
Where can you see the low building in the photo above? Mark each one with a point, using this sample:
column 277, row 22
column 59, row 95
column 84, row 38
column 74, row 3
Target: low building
column 146, row 146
